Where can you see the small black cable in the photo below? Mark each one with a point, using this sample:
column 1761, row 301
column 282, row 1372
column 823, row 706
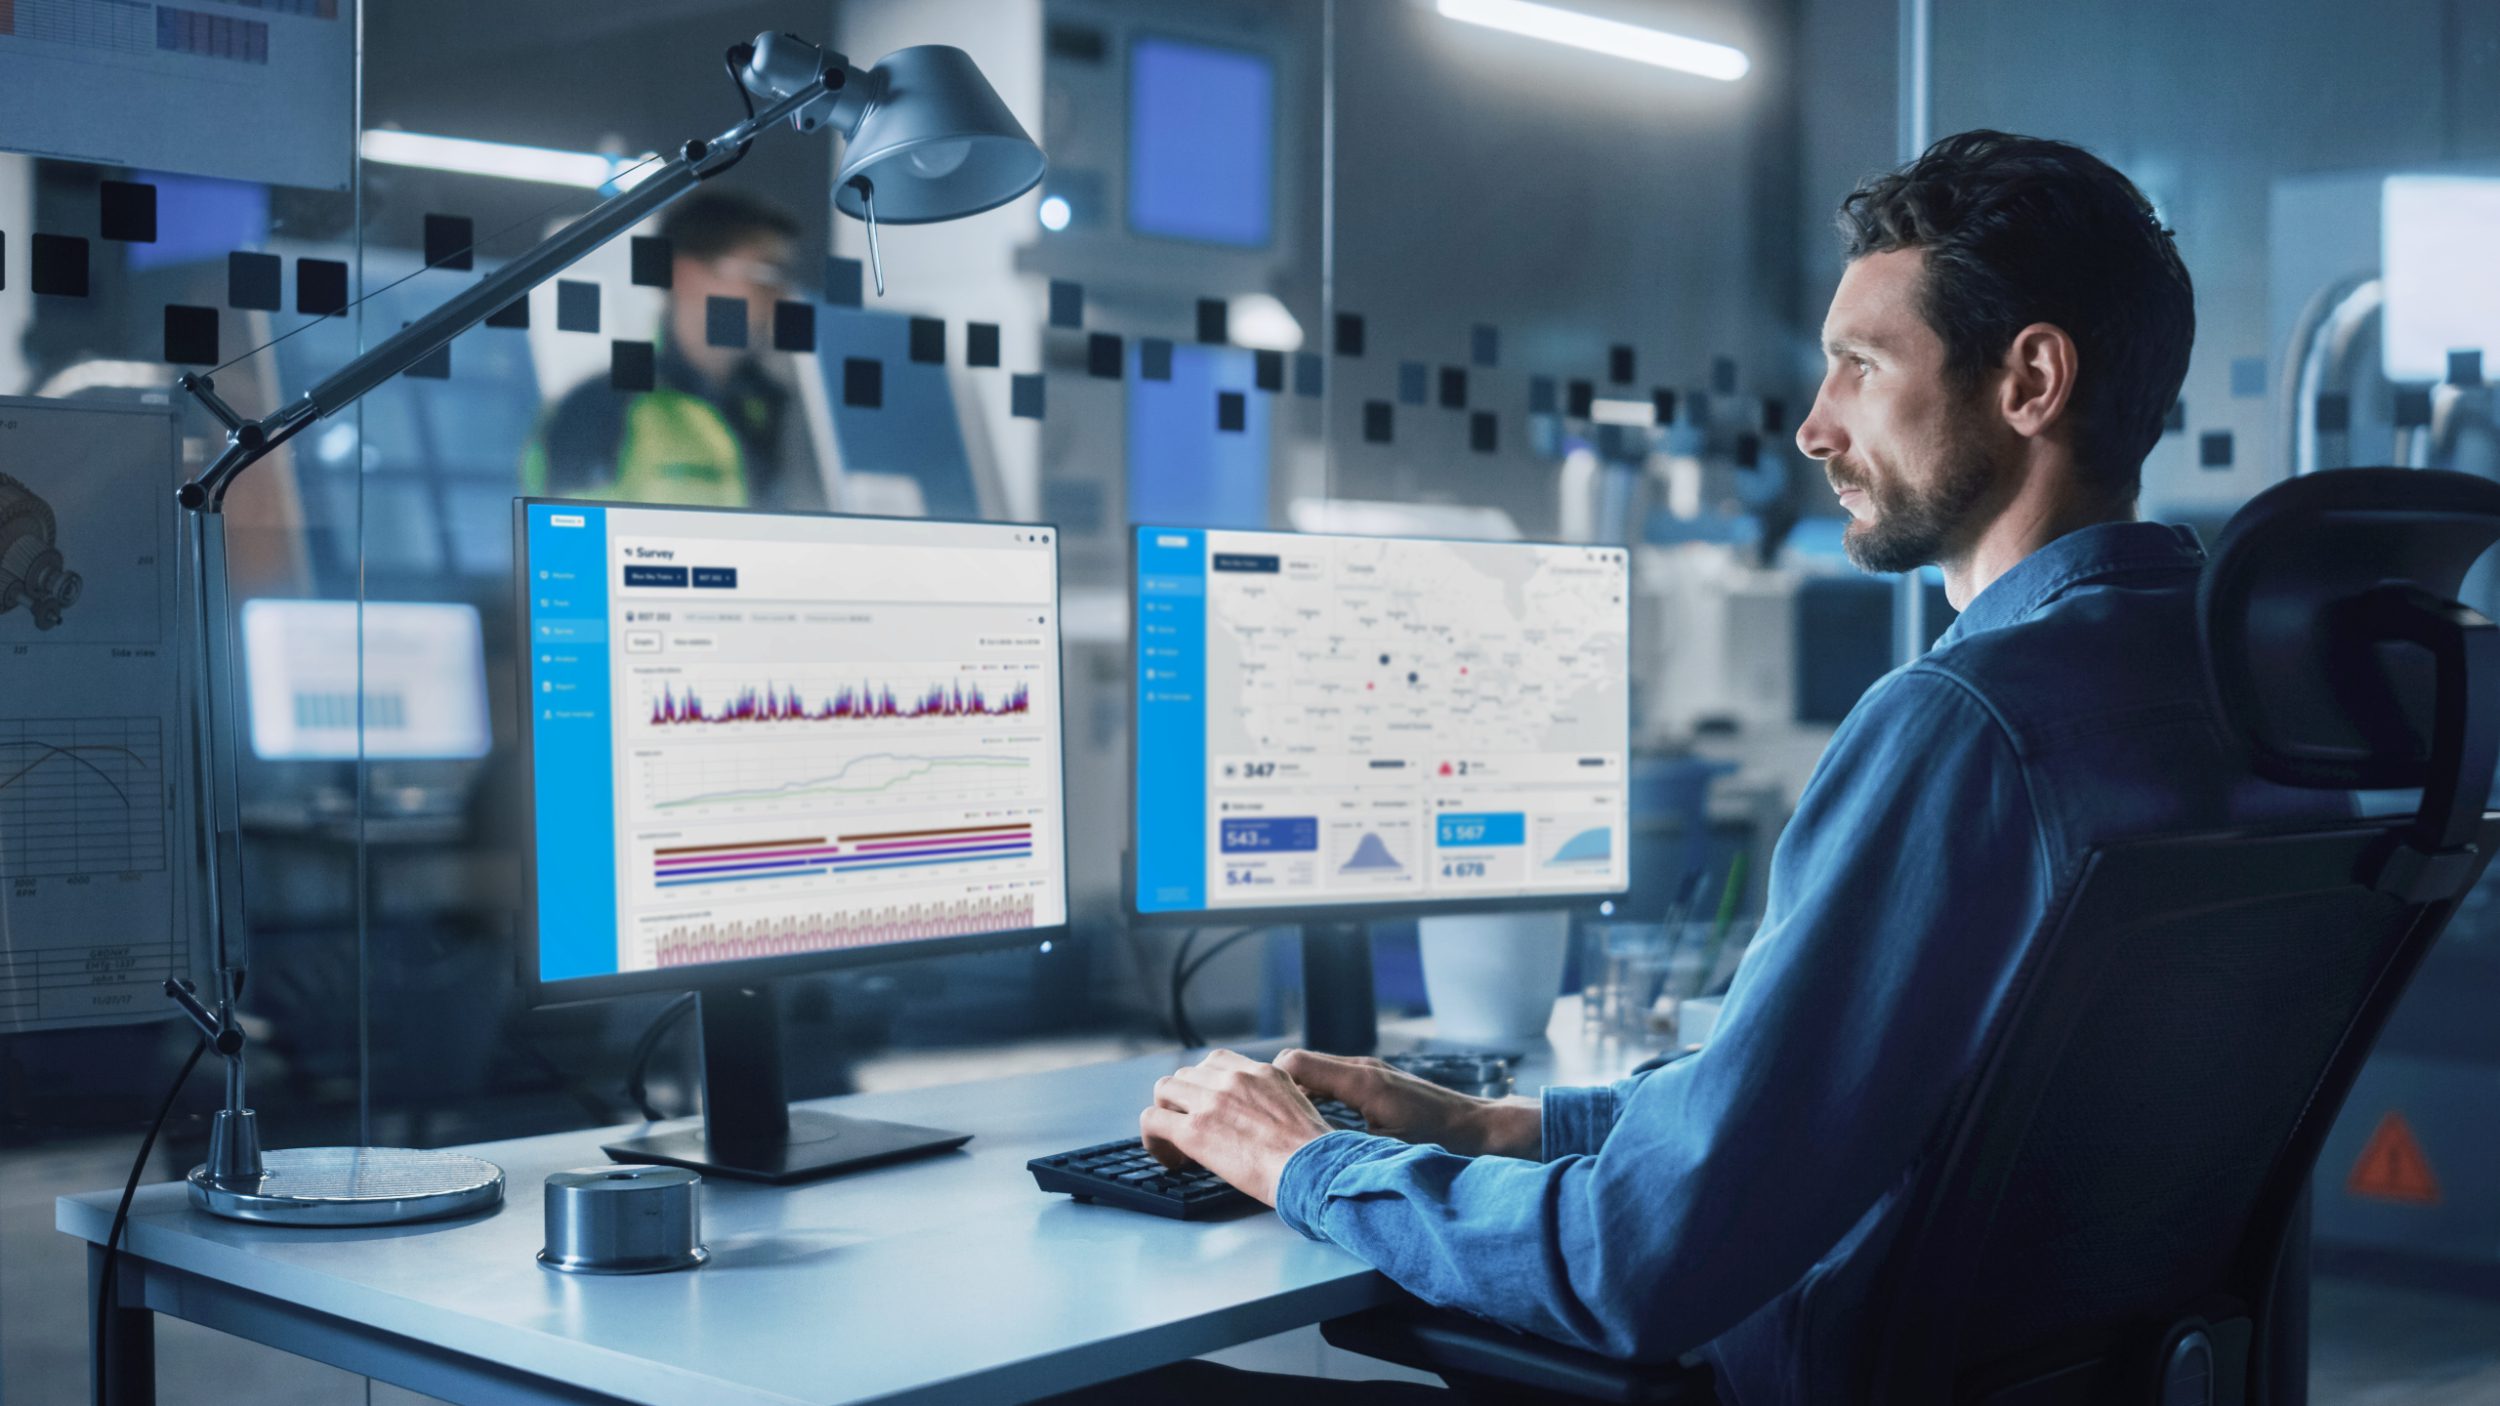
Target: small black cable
column 597, row 1109
column 732, row 59
column 1180, row 1017
column 736, row 57
column 1185, row 970
column 121, row 1219
column 1190, row 973
column 637, row 1073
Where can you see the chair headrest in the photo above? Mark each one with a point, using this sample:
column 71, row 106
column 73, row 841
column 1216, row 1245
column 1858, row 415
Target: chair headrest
column 2317, row 685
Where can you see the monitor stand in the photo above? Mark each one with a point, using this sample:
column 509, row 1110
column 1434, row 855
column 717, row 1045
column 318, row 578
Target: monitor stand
column 1339, row 1014
column 748, row 1130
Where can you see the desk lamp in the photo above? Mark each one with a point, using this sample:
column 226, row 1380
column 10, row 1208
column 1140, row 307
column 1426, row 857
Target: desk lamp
column 925, row 139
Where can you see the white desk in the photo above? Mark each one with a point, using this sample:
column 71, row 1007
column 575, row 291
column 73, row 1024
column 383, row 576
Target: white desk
column 948, row 1278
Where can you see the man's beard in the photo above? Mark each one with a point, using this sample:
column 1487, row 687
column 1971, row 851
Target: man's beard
column 1915, row 525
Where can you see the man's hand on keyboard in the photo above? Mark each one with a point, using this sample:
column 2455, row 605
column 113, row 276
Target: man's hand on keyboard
column 1236, row 1117
column 1399, row 1105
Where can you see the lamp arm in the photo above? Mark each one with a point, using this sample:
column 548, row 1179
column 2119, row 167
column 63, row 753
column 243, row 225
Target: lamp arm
column 249, row 441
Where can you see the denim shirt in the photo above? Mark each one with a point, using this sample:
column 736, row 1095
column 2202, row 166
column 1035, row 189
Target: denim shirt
column 1740, row 1201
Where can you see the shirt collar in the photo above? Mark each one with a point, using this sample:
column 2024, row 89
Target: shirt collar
column 674, row 372
column 2082, row 556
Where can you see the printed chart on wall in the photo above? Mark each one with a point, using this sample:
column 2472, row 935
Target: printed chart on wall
column 247, row 90
column 90, row 811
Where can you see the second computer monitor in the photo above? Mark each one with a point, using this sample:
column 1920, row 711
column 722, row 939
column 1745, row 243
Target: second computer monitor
column 1341, row 725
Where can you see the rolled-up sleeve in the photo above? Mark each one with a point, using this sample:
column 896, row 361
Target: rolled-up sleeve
column 1308, row 1173
column 1669, row 1207
column 1572, row 1119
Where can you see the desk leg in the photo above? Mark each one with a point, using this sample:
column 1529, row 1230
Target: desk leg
column 130, row 1351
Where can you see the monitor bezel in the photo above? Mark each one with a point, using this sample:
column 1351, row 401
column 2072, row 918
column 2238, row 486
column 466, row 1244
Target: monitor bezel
column 538, row 994
column 1280, row 915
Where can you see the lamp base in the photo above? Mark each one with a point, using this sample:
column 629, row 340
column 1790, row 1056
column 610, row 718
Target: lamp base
column 345, row 1186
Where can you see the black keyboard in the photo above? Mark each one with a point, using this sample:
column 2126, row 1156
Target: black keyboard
column 1124, row 1173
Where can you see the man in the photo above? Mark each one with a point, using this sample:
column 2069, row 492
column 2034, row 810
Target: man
column 2011, row 328
column 719, row 428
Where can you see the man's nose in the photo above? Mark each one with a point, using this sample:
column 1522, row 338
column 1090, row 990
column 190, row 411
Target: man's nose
column 1819, row 437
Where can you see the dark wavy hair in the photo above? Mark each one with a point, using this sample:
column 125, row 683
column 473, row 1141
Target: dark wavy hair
column 2019, row 230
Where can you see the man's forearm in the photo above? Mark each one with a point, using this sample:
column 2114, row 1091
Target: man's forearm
column 1507, row 1127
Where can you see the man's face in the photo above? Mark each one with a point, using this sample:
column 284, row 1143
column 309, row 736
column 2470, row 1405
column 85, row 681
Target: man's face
column 756, row 271
column 1910, row 457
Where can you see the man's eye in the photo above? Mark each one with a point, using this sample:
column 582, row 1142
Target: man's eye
column 1861, row 365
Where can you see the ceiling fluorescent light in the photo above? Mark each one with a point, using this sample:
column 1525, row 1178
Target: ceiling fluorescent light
column 515, row 163
column 1603, row 36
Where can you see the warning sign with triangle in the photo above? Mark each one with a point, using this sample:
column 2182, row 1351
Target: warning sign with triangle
column 2392, row 1167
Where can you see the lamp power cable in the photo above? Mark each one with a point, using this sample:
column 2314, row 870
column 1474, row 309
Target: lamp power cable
column 107, row 1273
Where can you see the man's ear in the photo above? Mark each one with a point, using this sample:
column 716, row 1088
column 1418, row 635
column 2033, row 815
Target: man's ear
column 2039, row 379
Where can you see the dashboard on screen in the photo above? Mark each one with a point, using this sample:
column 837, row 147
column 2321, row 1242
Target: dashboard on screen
column 760, row 735
column 1327, row 722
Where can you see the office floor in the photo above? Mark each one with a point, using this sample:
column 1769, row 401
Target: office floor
column 2373, row 1344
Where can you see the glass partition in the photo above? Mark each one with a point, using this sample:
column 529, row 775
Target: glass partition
column 171, row 252
column 1342, row 265
column 1102, row 350
column 2325, row 173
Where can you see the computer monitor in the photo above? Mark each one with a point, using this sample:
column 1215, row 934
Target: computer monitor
column 419, row 666
column 769, row 743
column 1343, row 728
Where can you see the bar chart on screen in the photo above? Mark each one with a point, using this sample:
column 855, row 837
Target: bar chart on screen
column 681, row 702
column 690, row 943
column 862, row 702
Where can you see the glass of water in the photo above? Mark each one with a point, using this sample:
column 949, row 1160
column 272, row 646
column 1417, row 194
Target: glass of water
column 1621, row 966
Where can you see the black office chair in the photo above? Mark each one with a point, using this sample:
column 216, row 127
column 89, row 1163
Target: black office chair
column 2116, row 1211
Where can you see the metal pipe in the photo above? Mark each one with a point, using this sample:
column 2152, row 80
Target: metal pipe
column 1914, row 116
column 2325, row 327
column 234, row 1065
column 225, row 951
column 1915, row 119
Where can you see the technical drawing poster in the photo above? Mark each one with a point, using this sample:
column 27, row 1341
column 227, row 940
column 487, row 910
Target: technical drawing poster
column 261, row 91
column 93, row 820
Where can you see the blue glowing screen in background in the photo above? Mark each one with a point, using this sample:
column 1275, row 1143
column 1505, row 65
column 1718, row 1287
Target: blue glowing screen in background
column 1201, row 143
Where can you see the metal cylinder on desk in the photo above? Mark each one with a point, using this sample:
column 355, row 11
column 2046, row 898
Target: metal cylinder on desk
column 623, row 1220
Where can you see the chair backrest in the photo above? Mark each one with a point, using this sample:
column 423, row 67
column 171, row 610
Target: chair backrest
column 2102, row 1216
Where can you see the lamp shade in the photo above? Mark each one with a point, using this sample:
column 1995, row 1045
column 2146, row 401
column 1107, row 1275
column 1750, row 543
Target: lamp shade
column 935, row 142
